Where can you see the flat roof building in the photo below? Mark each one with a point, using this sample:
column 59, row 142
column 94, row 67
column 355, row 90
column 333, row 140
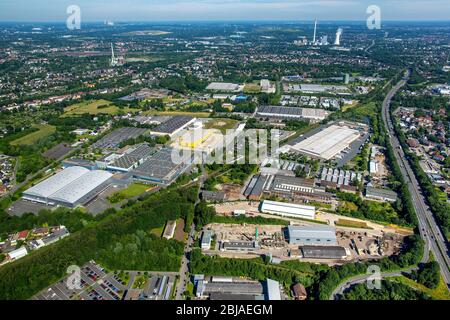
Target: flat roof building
column 381, row 194
column 173, row 126
column 169, row 230
column 206, row 240
column 224, row 87
column 323, row 252
column 213, row 196
column 313, row 115
column 240, row 245
column 312, row 235
column 328, row 143
column 70, row 187
column 159, row 168
column 17, row 254
column 288, row 209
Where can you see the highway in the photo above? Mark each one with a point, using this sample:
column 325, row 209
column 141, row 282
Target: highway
column 428, row 228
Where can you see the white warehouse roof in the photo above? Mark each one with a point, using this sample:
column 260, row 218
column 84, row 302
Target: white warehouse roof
column 321, row 232
column 76, row 190
column 51, row 185
column 288, row 209
column 328, row 143
column 67, row 186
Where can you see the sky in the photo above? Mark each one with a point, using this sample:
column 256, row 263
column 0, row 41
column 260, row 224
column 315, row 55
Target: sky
column 190, row 10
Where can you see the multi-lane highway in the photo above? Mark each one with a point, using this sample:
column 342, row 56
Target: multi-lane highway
column 428, row 228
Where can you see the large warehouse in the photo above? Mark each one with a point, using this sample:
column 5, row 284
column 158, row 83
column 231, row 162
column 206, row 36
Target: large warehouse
column 173, row 126
column 310, row 114
column 288, row 209
column 159, row 168
column 71, row 187
column 312, row 235
column 328, row 143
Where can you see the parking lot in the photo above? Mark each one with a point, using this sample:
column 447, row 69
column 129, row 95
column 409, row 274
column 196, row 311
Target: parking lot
column 20, row 207
column 96, row 284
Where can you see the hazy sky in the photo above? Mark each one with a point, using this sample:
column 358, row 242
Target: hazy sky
column 157, row 10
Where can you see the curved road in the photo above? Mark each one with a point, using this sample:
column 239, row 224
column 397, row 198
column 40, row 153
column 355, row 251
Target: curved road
column 428, row 228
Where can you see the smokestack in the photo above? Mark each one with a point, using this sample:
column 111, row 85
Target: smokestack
column 315, row 30
column 339, row 32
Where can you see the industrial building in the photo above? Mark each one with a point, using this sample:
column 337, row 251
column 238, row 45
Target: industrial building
column 288, row 209
column 381, row 194
column 126, row 161
column 240, row 245
column 70, row 187
column 316, row 88
column 115, row 138
column 312, row 235
column 328, row 143
column 312, row 115
column 173, row 126
column 323, row 252
column 159, row 168
column 169, row 230
column 334, row 178
column 286, row 187
column 206, row 240
column 17, row 254
column 213, row 196
column 224, row 87
column 227, row 288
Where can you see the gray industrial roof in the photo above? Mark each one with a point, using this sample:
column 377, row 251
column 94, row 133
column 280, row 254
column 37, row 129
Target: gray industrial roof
column 290, row 183
column 77, row 189
column 384, row 193
column 292, row 112
column 158, row 166
column 323, row 252
column 313, row 232
column 69, row 185
column 125, row 162
column 172, row 124
column 113, row 139
column 56, row 182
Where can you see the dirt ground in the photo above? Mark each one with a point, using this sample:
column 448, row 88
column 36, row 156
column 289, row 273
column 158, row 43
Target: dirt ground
column 233, row 191
column 179, row 230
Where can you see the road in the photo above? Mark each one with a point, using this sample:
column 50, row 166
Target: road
column 184, row 270
column 428, row 228
column 361, row 279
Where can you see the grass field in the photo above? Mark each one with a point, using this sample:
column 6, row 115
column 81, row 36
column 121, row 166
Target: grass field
column 221, row 124
column 140, row 282
column 352, row 224
column 93, row 107
column 157, row 231
column 132, row 191
column 252, row 88
column 440, row 293
column 44, row 131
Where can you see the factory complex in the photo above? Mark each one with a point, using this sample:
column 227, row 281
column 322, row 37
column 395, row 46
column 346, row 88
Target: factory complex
column 286, row 113
column 70, row 187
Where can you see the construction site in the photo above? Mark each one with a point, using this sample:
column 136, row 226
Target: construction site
column 356, row 240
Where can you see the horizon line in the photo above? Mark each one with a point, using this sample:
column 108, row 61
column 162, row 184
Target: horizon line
column 224, row 20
